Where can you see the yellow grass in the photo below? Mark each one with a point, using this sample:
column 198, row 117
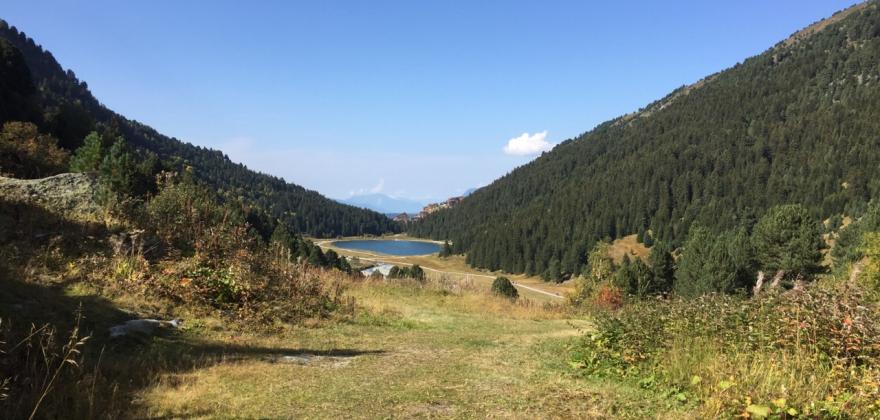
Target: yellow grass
column 628, row 245
column 416, row 351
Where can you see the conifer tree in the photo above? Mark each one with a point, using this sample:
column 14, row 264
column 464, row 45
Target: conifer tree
column 662, row 267
column 788, row 239
column 89, row 156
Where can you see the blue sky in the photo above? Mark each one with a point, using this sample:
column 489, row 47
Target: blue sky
column 416, row 99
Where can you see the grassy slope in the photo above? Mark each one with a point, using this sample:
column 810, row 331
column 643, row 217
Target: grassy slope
column 628, row 245
column 421, row 353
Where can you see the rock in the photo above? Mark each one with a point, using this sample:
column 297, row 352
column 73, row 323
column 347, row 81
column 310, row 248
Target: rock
column 308, row 358
column 70, row 195
column 143, row 328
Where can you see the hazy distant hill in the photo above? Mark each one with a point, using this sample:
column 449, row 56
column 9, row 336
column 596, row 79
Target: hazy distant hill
column 799, row 123
column 384, row 203
column 34, row 87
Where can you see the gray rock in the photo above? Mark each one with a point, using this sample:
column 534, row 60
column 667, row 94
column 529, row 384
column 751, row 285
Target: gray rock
column 143, row 328
column 70, row 195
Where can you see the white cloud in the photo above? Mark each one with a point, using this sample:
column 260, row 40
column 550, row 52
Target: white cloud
column 379, row 187
column 528, row 144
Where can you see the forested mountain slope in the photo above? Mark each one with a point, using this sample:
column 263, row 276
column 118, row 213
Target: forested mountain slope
column 799, row 123
column 35, row 88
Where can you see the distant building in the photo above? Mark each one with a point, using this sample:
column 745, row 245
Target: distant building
column 403, row 218
column 448, row 204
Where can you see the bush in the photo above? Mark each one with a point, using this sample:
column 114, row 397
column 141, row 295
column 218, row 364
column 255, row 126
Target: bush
column 607, row 296
column 503, row 287
column 25, row 153
column 414, row 272
column 803, row 346
column 600, row 269
column 187, row 217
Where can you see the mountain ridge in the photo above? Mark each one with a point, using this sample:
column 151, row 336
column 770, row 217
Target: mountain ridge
column 69, row 111
column 766, row 131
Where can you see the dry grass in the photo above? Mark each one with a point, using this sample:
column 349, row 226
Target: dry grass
column 628, row 245
column 427, row 352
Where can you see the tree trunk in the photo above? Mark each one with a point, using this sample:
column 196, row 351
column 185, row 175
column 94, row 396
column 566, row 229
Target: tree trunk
column 757, row 289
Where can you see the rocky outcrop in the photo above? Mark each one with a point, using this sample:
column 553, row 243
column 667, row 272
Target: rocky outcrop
column 70, row 195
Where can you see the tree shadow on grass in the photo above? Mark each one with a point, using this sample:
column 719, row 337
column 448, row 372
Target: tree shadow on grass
column 110, row 373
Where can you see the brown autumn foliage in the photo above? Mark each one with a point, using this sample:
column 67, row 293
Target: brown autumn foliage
column 26, row 153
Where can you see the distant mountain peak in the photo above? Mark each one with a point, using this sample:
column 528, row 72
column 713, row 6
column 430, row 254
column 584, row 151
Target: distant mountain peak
column 384, row 203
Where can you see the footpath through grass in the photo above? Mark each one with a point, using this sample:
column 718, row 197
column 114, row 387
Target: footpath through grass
column 415, row 351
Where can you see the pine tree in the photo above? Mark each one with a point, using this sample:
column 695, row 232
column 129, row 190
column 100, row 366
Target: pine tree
column 553, row 272
column 89, row 156
column 787, row 239
column 662, row 267
column 416, row 272
column 117, row 169
column 704, row 265
column 446, row 251
column 502, row 286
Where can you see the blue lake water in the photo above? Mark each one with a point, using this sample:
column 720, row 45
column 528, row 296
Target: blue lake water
column 390, row 247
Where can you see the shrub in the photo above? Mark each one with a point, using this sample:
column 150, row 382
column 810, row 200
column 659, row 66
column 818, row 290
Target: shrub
column 871, row 250
column 607, row 296
column 416, row 272
column 446, row 251
column 503, row 287
column 187, row 217
column 25, row 153
column 600, row 268
column 804, row 346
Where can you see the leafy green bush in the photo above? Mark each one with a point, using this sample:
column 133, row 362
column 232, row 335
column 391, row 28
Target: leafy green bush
column 219, row 285
column 503, row 287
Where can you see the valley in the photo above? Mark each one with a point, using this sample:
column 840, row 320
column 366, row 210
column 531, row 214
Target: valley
column 712, row 254
column 454, row 268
